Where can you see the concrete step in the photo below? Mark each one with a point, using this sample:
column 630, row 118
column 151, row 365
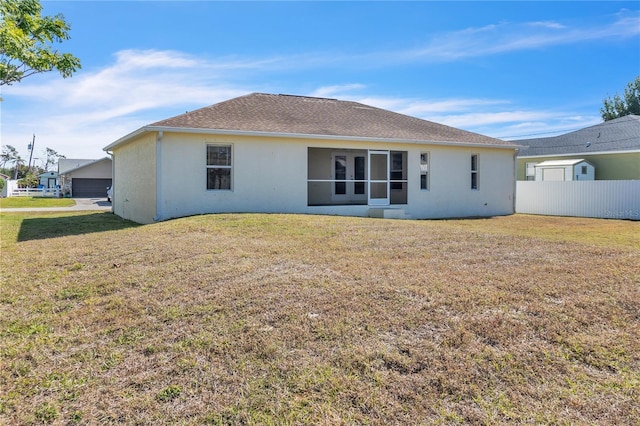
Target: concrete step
column 388, row 213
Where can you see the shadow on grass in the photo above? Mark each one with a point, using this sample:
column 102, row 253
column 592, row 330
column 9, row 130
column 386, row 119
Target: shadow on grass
column 39, row 228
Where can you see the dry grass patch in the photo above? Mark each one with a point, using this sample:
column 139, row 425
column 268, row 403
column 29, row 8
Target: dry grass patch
column 285, row 319
column 31, row 202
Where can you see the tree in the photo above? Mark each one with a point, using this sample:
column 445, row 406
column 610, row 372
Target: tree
column 10, row 155
column 27, row 42
column 51, row 158
column 30, row 180
column 619, row 107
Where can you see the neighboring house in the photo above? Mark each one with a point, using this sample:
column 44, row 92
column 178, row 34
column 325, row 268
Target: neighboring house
column 85, row 178
column 612, row 148
column 48, row 179
column 564, row 170
column 297, row 154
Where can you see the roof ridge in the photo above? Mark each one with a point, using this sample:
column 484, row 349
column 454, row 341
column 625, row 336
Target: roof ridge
column 308, row 97
column 619, row 120
column 308, row 115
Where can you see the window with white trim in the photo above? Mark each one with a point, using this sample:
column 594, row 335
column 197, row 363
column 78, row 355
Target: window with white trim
column 219, row 167
column 475, row 172
column 530, row 173
column 424, row 171
column 397, row 173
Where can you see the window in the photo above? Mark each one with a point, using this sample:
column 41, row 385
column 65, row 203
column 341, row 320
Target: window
column 397, row 169
column 474, row 171
column 218, row 166
column 584, row 170
column 530, row 173
column 424, row 170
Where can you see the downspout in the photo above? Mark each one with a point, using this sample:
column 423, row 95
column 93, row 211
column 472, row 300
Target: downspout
column 113, row 179
column 515, row 180
column 158, row 215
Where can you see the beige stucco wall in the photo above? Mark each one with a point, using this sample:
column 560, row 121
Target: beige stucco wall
column 267, row 176
column 450, row 193
column 134, row 179
column 270, row 175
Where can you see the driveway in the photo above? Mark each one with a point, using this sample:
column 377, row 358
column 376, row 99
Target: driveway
column 82, row 204
column 91, row 204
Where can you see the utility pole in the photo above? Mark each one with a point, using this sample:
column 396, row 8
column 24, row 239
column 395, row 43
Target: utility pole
column 30, row 147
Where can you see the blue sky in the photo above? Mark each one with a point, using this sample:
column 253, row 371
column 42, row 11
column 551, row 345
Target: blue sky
column 505, row 69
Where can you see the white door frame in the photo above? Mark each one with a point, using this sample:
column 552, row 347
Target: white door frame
column 379, row 201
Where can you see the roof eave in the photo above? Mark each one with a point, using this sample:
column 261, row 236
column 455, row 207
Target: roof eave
column 66, row 172
column 127, row 138
column 574, row 154
column 145, row 129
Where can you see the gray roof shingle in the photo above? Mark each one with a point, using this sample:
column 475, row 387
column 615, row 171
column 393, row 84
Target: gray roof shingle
column 288, row 114
column 620, row 134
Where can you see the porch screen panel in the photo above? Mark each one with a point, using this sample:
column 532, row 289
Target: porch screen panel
column 341, row 174
column 378, row 167
column 379, row 178
column 398, row 177
column 359, row 168
column 378, row 189
column 336, row 177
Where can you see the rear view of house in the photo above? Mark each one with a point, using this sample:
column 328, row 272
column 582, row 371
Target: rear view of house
column 296, row 154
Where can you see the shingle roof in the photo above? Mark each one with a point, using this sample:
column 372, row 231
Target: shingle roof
column 288, row 114
column 620, row 134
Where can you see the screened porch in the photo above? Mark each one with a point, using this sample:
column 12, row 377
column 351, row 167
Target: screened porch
column 356, row 177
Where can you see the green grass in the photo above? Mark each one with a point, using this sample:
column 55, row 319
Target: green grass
column 27, row 202
column 289, row 319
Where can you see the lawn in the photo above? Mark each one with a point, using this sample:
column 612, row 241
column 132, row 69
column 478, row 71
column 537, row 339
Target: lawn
column 20, row 202
column 293, row 319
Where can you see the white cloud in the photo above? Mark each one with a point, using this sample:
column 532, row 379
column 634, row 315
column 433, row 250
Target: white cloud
column 79, row 116
column 492, row 117
column 137, row 80
column 336, row 90
column 547, row 24
column 509, row 37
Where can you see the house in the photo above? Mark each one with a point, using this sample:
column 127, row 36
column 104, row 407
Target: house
column 85, row 178
column 48, row 179
column 612, row 148
column 296, row 154
column 564, row 170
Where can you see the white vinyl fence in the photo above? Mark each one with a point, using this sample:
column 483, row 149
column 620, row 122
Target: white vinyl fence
column 612, row 199
column 35, row 192
column 11, row 189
